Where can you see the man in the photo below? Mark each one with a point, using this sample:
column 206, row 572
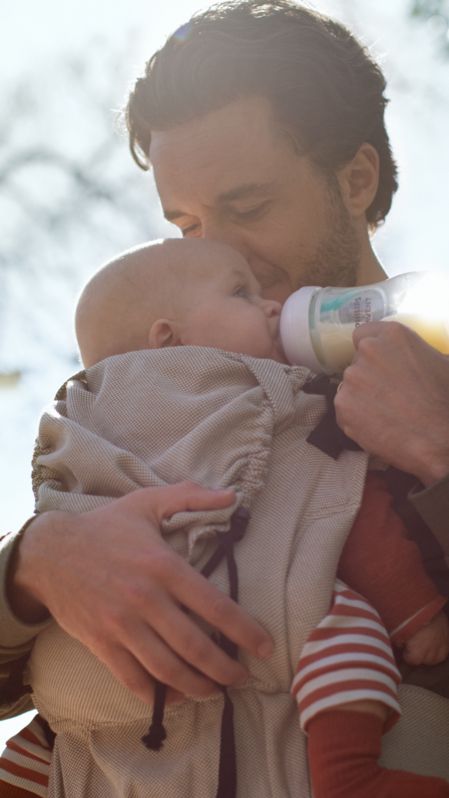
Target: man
column 264, row 127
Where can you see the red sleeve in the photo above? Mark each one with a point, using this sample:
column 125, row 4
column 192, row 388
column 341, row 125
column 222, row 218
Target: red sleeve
column 382, row 564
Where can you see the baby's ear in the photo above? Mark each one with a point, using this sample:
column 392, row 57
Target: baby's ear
column 163, row 333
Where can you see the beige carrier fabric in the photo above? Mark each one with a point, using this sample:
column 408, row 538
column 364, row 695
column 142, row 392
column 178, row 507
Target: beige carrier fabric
column 152, row 418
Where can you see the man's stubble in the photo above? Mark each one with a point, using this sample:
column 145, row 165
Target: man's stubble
column 336, row 260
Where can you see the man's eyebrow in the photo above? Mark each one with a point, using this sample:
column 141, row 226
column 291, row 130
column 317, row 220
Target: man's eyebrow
column 239, row 192
column 243, row 191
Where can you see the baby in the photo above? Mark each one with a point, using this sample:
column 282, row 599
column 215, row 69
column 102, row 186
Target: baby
column 203, row 294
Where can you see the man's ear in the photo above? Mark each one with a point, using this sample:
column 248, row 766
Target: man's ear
column 163, row 332
column 359, row 180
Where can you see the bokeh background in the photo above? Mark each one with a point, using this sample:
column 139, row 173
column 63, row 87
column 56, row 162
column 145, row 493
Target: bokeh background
column 71, row 197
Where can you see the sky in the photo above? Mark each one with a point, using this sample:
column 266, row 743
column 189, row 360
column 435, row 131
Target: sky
column 34, row 35
column 34, row 32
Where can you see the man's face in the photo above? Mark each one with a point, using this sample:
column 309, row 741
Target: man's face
column 235, row 177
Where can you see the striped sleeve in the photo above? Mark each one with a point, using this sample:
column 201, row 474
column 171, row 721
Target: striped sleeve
column 348, row 657
column 25, row 762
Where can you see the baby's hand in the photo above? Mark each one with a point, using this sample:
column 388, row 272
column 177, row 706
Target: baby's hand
column 430, row 644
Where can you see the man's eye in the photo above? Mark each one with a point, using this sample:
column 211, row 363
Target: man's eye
column 250, row 213
column 191, row 229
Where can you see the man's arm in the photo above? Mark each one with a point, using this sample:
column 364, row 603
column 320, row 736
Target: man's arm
column 110, row 580
column 16, row 632
column 16, row 638
column 394, row 401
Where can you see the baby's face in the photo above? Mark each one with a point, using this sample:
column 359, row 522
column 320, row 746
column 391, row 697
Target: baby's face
column 228, row 312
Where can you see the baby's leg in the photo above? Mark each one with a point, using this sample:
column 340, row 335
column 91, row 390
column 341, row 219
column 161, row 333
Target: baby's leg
column 346, row 690
column 343, row 751
column 25, row 762
column 9, row 791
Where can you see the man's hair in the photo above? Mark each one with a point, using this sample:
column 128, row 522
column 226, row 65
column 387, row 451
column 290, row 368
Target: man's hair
column 325, row 89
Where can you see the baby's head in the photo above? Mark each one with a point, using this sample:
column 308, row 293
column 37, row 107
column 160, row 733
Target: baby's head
column 176, row 292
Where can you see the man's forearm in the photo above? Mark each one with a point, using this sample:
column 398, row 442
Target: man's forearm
column 21, row 578
column 21, row 617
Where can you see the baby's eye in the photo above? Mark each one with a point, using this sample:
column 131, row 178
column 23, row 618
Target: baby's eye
column 242, row 291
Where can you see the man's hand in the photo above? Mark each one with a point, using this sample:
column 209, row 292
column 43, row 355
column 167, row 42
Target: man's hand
column 394, row 400
column 111, row 581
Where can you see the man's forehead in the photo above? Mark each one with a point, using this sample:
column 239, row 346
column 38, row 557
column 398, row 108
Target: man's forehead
column 242, row 118
column 227, row 153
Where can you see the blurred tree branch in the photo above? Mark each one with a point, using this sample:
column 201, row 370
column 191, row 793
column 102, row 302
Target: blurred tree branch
column 69, row 195
column 436, row 13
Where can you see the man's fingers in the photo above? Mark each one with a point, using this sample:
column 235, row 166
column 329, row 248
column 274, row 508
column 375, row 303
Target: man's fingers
column 157, row 658
column 164, row 502
column 128, row 671
column 392, row 333
column 190, row 496
column 371, row 329
column 184, row 637
column 169, row 583
column 201, row 597
column 136, row 665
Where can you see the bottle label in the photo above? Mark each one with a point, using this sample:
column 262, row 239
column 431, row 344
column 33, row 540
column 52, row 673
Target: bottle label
column 353, row 307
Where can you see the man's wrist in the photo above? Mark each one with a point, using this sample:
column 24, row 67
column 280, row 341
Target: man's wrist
column 433, row 470
column 23, row 579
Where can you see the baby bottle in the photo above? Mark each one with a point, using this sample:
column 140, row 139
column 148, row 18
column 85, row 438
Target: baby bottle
column 316, row 324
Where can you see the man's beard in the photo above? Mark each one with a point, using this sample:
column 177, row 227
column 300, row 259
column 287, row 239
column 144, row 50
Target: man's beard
column 336, row 260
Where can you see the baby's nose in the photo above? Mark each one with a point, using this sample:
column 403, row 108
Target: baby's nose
column 272, row 307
